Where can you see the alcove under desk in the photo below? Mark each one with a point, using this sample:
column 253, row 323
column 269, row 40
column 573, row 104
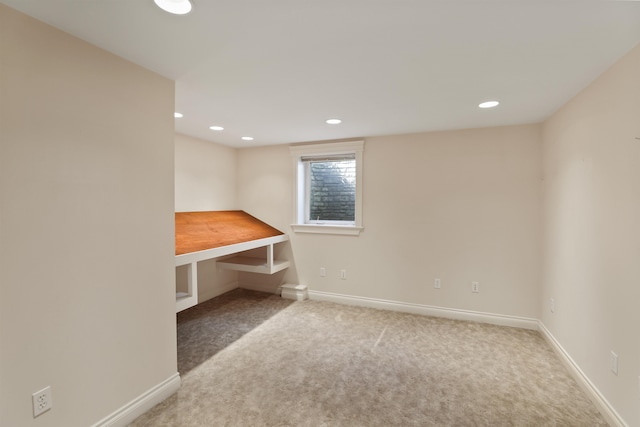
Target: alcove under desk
column 226, row 236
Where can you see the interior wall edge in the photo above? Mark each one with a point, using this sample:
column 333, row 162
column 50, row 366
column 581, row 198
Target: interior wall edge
column 592, row 392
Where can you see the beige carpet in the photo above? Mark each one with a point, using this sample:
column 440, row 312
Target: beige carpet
column 253, row 359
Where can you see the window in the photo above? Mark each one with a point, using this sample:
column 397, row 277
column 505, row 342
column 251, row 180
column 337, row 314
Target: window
column 330, row 187
column 328, row 190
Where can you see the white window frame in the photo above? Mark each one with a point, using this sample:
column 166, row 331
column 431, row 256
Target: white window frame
column 301, row 199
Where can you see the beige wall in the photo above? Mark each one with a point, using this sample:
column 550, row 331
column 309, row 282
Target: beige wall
column 86, row 226
column 462, row 206
column 591, row 263
column 205, row 180
column 531, row 212
column 265, row 190
column 86, row 220
column 205, row 176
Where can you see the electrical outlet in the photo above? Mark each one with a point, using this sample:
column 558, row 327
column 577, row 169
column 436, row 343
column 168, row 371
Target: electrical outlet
column 42, row 401
column 436, row 283
column 614, row 363
column 323, row 272
column 343, row 274
column 475, row 287
column 552, row 305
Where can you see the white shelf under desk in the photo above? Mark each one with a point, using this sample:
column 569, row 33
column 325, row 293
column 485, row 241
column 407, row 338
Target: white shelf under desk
column 266, row 265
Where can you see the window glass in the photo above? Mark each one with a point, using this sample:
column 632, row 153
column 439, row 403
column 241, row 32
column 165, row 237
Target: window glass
column 332, row 191
column 328, row 188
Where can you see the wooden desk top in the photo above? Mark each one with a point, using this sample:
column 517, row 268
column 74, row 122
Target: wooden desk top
column 198, row 231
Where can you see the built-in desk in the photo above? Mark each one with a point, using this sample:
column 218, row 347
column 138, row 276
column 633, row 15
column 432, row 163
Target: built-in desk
column 225, row 235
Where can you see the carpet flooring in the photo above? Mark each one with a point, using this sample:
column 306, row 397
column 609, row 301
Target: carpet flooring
column 254, row 359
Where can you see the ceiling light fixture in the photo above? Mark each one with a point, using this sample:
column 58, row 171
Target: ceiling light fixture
column 216, row 128
column 178, row 115
column 247, row 138
column 334, row 121
column 177, row 7
column 489, row 104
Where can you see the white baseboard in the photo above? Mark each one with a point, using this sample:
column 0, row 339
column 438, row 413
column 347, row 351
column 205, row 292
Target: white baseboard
column 427, row 310
column 601, row 403
column 607, row 411
column 217, row 291
column 141, row 404
column 269, row 288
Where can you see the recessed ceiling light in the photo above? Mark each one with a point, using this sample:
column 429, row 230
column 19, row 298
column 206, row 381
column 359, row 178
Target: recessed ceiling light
column 334, row 121
column 247, row 138
column 216, row 128
column 489, row 104
column 177, row 7
column 177, row 115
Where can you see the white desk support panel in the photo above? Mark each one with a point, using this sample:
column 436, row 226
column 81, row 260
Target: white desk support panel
column 269, row 265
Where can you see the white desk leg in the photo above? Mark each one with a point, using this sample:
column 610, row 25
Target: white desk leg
column 270, row 257
column 192, row 280
column 192, row 289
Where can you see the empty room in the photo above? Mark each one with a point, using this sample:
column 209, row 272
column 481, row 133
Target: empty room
column 342, row 213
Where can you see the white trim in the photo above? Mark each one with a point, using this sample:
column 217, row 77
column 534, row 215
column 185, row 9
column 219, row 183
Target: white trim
column 427, row 310
column 601, row 403
column 327, row 229
column 141, row 404
column 267, row 288
column 299, row 176
column 328, row 148
column 294, row 292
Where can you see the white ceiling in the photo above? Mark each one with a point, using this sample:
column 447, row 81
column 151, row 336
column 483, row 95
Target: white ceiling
column 277, row 69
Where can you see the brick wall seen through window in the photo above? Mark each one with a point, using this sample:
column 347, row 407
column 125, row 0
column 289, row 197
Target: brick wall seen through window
column 332, row 190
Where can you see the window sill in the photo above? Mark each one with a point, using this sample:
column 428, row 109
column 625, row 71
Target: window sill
column 347, row 230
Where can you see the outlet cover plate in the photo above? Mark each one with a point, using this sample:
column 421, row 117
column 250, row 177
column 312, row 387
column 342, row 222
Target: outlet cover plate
column 42, row 401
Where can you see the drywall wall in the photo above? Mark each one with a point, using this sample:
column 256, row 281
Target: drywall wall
column 265, row 191
column 462, row 206
column 592, row 231
column 205, row 180
column 87, row 303
column 205, row 175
